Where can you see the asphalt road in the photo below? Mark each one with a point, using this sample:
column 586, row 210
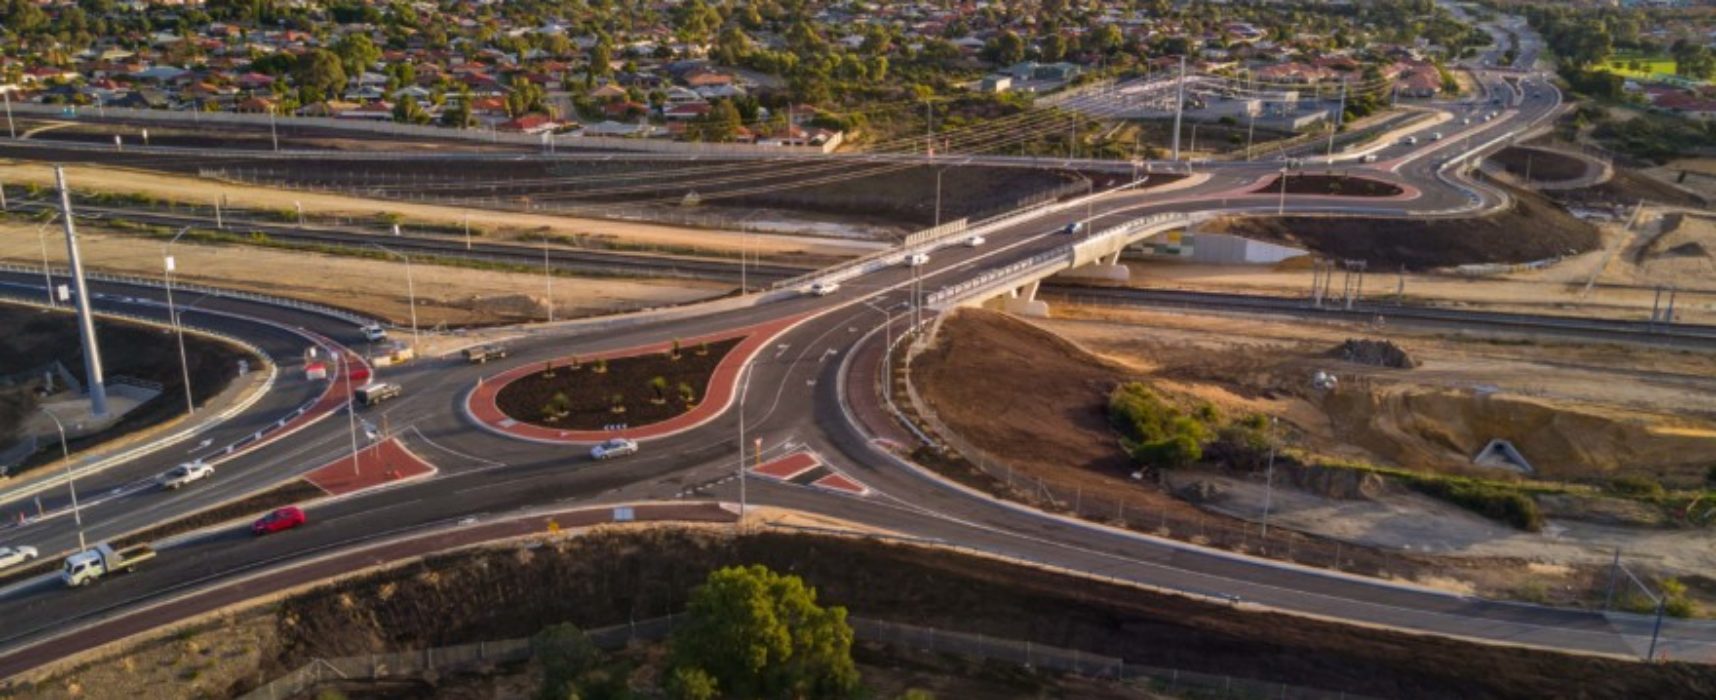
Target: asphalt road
column 793, row 402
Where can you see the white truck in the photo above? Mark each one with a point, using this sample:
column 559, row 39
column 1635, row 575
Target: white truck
column 88, row 565
column 184, row 475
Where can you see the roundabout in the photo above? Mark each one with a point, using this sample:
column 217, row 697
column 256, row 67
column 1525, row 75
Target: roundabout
column 638, row 393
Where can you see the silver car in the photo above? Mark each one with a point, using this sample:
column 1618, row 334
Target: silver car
column 614, row 447
column 13, row 556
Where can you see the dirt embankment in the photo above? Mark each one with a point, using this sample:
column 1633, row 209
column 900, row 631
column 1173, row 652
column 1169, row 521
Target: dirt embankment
column 1540, row 165
column 609, row 578
column 1533, row 228
column 36, row 338
column 1049, row 413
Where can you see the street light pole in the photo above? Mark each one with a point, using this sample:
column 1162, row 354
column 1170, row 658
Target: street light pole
column 167, row 268
column 1281, row 206
column 938, row 198
column 744, row 392
column 345, row 365
column 274, row 133
column 71, row 480
column 1269, row 478
column 410, row 291
column 548, row 279
column 47, row 273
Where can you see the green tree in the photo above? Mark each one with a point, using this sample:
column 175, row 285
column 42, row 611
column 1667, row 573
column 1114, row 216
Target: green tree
column 357, row 53
column 319, row 75
column 566, row 655
column 760, row 634
column 687, row 683
column 1006, row 49
column 719, row 125
column 407, row 111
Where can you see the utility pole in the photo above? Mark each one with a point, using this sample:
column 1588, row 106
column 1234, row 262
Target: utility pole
column 1281, row 205
column 71, row 479
column 1179, row 106
column 929, row 129
column 273, row 132
column 345, row 365
column 467, row 232
column 220, row 225
column 167, row 269
column 548, row 279
column 410, row 289
column 1269, row 478
column 86, row 322
column 1250, row 127
column 3, row 206
column 938, row 173
column 10, row 127
column 744, row 392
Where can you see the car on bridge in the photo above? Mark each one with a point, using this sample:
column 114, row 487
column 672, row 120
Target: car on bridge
column 1076, row 226
column 279, row 521
column 13, row 556
column 917, row 259
column 823, row 289
column 374, row 333
column 975, row 241
column 614, row 447
column 184, row 475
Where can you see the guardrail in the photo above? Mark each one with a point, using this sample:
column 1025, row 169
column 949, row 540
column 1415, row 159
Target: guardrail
column 1064, row 257
column 341, row 314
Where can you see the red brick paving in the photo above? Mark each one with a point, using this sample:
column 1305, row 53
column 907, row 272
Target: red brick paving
column 840, row 482
column 481, row 406
column 227, row 594
column 384, row 462
column 788, row 467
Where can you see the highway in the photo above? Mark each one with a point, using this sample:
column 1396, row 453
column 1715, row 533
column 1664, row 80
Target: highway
column 809, row 389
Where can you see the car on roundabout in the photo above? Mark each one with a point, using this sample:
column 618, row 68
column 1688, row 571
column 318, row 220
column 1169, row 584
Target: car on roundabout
column 614, row 447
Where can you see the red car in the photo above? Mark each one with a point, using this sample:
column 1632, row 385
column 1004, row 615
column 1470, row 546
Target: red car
column 283, row 519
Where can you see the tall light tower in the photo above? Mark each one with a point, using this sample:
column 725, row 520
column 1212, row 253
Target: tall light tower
column 1179, row 106
column 85, row 321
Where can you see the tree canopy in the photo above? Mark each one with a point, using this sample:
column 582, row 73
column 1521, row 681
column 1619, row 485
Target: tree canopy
column 759, row 634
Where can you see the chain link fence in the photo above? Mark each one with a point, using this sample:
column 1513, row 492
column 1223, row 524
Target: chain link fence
column 420, row 663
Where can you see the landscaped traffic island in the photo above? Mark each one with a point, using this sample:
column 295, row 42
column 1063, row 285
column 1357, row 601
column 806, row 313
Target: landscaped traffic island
column 641, row 392
column 596, row 394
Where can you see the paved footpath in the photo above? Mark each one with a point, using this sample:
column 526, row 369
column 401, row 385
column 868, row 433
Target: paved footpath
column 480, row 404
column 234, row 592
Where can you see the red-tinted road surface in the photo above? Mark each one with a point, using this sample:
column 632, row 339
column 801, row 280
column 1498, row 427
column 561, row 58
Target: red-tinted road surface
column 384, row 462
column 223, row 595
column 788, row 467
column 481, row 406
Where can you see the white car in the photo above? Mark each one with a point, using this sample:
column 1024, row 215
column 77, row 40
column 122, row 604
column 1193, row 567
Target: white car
column 374, row 333
column 918, row 259
column 615, row 447
column 13, row 556
column 184, row 475
column 975, row 241
column 823, row 289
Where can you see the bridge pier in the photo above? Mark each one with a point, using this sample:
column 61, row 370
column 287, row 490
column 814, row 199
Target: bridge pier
column 1022, row 301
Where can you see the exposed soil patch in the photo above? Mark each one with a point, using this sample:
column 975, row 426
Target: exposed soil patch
column 1629, row 187
column 1539, row 165
column 1378, row 353
column 1532, row 229
column 1341, row 185
column 36, row 338
column 607, row 578
column 588, row 401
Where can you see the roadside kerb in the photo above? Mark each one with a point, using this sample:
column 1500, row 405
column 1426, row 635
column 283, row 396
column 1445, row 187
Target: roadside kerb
column 937, row 479
column 127, row 619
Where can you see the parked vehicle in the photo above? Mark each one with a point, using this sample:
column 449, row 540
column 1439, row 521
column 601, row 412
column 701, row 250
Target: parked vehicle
column 975, row 241
column 376, row 392
column 483, row 353
column 184, row 475
column 614, row 447
column 918, row 259
column 88, row 565
column 279, row 520
column 13, row 556
column 823, row 289
column 374, row 333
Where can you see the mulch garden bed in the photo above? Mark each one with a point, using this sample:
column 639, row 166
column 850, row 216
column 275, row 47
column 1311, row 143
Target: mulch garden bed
column 1331, row 184
column 589, row 394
